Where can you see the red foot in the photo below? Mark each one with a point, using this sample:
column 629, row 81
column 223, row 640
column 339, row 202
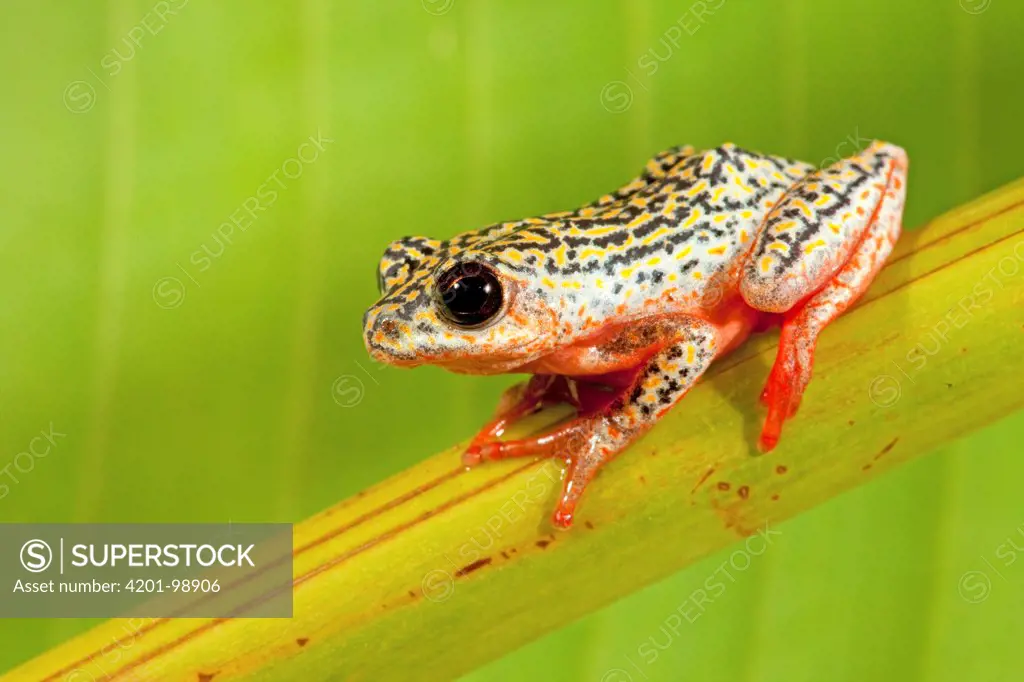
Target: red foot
column 580, row 442
column 562, row 519
column 782, row 394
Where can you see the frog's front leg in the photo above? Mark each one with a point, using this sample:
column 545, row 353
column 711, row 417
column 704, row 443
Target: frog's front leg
column 816, row 253
column 590, row 441
column 517, row 402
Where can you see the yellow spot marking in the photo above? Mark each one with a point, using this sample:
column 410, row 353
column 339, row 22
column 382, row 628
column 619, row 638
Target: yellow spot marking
column 835, row 228
column 785, row 226
column 654, row 261
column 814, row 245
column 779, row 246
column 691, row 354
column 600, row 284
column 531, row 237
column 698, row 275
column 660, row 232
column 627, row 272
column 744, row 236
column 766, row 263
column 718, row 194
column 684, row 253
column 708, row 161
column 697, row 189
column 747, row 215
column 548, row 283
column 803, row 208
column 638, row 221
column 600, row 232
column 692, row 220
column 560, row 256
column 512, row 255
column 717, row 251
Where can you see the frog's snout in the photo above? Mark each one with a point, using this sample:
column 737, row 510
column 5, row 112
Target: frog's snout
column 384, row 339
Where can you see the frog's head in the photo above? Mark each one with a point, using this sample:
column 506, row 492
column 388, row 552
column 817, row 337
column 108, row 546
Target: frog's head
column 462, row 307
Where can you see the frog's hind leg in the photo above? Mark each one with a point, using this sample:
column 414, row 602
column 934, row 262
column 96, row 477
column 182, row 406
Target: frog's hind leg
column 592, row 439
column 816, row 253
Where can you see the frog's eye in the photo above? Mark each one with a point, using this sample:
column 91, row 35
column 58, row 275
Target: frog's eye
column 470, row 294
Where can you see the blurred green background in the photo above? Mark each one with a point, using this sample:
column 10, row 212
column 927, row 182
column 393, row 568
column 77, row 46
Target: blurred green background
column 198, row 378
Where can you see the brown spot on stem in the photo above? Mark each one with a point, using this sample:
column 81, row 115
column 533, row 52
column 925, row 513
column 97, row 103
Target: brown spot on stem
column 643, row 480
column 886, row 449
column 466, row 570
column 543, row 543
column 206, row 677
column 412, row 594
column 851, row 422
column 866, row 467
column 504, row 554
column 723, row 485
column 775, row 497
column 302, row 641
column 781, row 470
column 703, row 479
column 743, row 491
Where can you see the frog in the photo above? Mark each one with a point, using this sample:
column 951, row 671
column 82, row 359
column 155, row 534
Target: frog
column 619, row 307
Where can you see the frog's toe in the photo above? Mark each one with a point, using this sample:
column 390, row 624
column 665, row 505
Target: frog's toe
column 586, row 458
column 472, row 456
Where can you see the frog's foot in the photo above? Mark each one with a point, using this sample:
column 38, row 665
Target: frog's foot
column 589, row 395
column 849, row 219
column 515, row 403
column 609, row 422
column 585, row 443
column 786, row 383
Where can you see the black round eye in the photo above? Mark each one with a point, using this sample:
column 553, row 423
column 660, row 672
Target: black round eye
column 470, row 294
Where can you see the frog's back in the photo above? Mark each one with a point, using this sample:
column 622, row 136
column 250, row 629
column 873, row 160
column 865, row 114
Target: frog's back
column 671, row 240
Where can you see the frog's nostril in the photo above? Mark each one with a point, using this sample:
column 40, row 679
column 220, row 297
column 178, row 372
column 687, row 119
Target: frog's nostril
column 389, row 329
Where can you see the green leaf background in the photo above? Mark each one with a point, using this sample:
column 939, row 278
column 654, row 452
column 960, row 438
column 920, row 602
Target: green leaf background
column 241, row 390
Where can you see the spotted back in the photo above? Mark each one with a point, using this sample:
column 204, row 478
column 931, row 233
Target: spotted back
column 671, row 240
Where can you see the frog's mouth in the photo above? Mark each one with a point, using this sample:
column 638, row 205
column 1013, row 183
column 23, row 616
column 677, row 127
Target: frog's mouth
column 460, row 363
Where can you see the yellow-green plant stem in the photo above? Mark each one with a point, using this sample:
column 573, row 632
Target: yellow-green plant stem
column 438, row 570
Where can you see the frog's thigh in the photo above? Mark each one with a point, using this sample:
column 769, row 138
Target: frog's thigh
column 791, row 371
column 816, row 227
